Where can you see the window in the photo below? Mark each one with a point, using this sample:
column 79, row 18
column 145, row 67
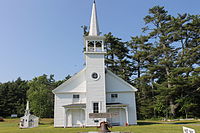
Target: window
column 99, row 46
column 114, row 96
column 96, row 121
column 91, row 46
column 90, row 43
column 95, row 107
column 76, row 96
column 98, row 43
column 95, row 75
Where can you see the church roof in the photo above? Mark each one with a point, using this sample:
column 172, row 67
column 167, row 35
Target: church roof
column 83, row 105
column 114, row 84
column 110, row 73
column 29, row 116
column 75, row 80
column 94, row 26
column 116, row 105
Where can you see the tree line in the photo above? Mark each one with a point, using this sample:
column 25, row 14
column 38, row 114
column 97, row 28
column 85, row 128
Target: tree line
column 38, row 91
column 163, row 63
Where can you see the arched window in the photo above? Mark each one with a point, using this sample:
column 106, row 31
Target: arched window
column 90, row 46
column 99, row 46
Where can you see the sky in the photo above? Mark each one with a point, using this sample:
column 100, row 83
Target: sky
column 45, row 36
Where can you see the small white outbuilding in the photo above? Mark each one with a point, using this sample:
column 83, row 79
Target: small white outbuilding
column 94, row 90
column 28, row 120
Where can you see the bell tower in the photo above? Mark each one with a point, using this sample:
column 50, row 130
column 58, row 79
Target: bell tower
column 95, row 71
column 94, row 42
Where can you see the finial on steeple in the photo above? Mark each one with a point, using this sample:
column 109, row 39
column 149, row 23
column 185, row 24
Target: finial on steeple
column 94, row 27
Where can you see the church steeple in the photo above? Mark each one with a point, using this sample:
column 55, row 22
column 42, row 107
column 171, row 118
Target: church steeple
column 94, row 43
column 94, row 27
column 95, row 70
column 27, row 111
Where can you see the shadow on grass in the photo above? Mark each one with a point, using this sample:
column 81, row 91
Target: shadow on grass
column 178, row 123
column 148, row 123
column 46, row 123
column 185, row 122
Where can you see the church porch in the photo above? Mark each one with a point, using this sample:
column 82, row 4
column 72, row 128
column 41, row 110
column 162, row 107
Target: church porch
column 74, row 115
column 122, row 110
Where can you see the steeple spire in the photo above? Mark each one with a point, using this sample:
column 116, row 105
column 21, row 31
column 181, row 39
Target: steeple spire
column 94, row 27
column 27, row 105
column 27, row 111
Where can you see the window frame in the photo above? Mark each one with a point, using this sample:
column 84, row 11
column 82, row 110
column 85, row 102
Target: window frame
column 96, row 74
column 96, row 107
column 114, row 96
column 76, row 96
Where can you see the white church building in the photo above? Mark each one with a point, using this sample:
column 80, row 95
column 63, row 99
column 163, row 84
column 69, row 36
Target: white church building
column 28, row 120
column 94, row 90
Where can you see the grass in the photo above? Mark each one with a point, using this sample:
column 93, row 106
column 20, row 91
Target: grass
column 46, row 126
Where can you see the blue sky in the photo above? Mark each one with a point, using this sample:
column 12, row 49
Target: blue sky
column 45, row 36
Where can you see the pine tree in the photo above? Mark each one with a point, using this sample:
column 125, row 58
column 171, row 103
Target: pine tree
column 117, row 58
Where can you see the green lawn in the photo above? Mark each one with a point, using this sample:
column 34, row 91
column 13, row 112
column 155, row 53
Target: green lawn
column 46, row 126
